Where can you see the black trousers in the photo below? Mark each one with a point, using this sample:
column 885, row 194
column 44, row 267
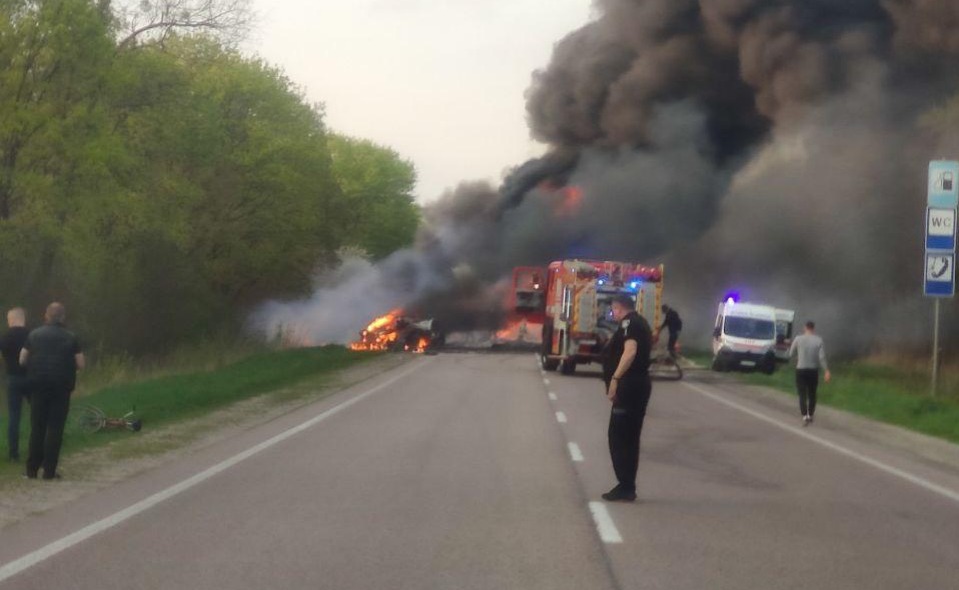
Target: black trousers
column 671, row 345
column 625, row 428
column 807, row 381
column 16, row 393
column 49, row 406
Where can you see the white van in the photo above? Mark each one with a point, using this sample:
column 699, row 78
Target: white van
column 744, row 337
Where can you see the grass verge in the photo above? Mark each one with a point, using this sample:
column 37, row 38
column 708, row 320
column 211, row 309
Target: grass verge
column 168, row 399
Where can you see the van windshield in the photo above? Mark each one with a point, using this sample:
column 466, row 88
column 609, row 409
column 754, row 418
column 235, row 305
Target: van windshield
column 752, row 328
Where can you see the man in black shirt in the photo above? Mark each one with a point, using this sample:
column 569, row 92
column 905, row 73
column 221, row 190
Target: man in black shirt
column 52, row 356
column 10, row 344
column 674, row 324
column 626, row 373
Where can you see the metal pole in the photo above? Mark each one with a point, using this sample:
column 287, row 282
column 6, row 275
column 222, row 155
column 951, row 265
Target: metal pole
column 935, row 351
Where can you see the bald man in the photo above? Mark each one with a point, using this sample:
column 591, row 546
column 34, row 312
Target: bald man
column 52, row 356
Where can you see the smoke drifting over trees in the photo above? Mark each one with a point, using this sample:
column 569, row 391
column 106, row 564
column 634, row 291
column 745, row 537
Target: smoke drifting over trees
column 774, row 146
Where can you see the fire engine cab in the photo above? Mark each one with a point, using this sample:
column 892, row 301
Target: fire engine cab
column 579, row 295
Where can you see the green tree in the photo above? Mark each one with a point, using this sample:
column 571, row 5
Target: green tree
column 163, row 185
column 378, row 186
column 53, row 60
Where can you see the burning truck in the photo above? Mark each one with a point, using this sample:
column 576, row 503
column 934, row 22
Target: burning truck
column 525, row 309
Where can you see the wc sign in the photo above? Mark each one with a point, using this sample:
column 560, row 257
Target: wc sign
column 940, row 229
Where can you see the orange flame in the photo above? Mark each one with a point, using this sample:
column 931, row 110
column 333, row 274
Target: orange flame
column 572, row 201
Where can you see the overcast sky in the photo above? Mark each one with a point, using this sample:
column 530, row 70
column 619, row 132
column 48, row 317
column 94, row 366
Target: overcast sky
column 441, row 82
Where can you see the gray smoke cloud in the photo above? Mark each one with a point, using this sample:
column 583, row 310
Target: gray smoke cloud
column 769, row 146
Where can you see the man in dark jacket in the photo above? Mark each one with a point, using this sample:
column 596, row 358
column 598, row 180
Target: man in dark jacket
column 10, row 345
column 52, row 356
column 626, row 374
column 673, row 323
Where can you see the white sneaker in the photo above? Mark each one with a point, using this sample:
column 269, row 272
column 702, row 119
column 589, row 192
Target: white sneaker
column 806, row 420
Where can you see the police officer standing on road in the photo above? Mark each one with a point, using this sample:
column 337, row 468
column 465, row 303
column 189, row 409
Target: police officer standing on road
column 626, row 373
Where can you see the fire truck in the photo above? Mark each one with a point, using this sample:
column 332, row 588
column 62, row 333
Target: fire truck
column 579, row 295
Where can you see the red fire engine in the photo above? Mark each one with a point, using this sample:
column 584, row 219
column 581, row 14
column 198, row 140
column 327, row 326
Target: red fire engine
column 578, row 319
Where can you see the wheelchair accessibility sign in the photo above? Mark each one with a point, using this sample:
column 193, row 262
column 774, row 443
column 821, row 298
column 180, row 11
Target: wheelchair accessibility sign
column 940, row 274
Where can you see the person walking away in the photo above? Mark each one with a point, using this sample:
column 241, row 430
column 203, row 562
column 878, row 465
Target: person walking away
column 673, row 323
column 811, row 358
column 628, row 388
column 10, row 345
column 52, row 356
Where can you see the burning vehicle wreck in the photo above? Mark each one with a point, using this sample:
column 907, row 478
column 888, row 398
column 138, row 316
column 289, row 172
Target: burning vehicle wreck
column 396, row 332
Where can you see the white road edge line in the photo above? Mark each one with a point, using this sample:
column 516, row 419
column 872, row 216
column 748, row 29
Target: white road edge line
column 552, row 397
column 913, row 479
column 546, row 382
column 561, row 417
column 31, row 559
column 604, row 523
column 575, row 452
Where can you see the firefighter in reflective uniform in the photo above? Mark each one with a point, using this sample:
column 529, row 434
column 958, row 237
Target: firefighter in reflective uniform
column 628, row 387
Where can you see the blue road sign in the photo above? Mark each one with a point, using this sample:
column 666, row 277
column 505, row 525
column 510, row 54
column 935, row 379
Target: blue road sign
column 940, row 229
column 940, row 274
column 943, row 184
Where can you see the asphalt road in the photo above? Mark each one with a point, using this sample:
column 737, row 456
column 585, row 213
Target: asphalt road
column 480, row 471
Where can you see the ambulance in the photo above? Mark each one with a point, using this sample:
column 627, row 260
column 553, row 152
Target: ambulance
column 744, row 337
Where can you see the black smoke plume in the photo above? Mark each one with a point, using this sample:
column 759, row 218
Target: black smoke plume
column 776, row 147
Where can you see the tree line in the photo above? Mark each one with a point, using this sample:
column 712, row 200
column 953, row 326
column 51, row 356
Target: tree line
column 161, row 184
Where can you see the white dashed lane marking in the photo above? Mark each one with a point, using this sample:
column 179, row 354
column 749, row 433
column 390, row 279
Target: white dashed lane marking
column 561, row 417
column 604, row 523
column 575, row 452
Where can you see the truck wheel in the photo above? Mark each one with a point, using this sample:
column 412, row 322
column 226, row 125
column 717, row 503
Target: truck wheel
column 567, row 367
column 548, row 363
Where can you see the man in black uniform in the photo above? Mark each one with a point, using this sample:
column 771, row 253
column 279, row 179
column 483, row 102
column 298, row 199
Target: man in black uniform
column 52, row 356
column 673, row 323
column 626, row 373
column 10, row 344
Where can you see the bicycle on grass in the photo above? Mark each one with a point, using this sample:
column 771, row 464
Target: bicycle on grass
column 92, row 419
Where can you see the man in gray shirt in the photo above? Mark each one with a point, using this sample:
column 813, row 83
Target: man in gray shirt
column 811, row 358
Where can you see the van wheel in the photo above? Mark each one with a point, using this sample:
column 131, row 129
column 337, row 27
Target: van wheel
column 719, row 366
column 567, row 367
column 769, row 365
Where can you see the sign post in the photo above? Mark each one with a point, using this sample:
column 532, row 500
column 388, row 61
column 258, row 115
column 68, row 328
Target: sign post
column 942, row 202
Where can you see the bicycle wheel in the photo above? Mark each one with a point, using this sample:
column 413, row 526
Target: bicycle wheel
column 665, row 369
column 88, row 419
